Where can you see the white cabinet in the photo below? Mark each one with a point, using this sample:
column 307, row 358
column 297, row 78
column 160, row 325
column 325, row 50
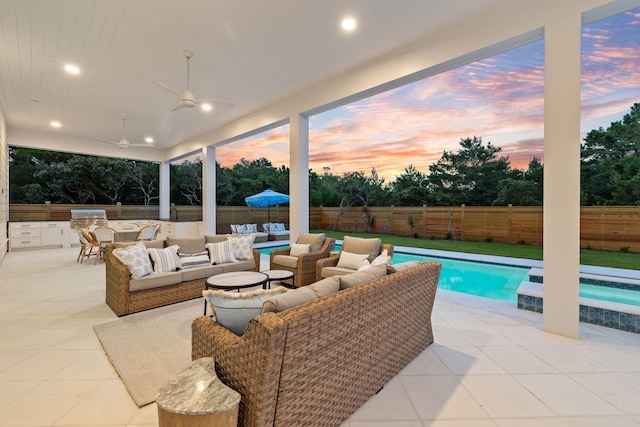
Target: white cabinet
column 33, row 235
column 52, row 234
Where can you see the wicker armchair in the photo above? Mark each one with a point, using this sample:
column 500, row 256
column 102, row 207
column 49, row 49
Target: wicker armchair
column 304, row 268
column 332, row 261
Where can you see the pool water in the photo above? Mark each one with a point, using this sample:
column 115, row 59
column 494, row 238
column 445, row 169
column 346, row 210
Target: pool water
column 486, row 280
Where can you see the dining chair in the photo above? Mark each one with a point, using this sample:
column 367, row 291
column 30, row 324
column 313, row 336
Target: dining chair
column 147, row 232
column 105, row 235
column 89, row 246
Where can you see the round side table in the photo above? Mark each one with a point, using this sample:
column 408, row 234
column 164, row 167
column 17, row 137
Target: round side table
column 278, row 275
column 195, row 397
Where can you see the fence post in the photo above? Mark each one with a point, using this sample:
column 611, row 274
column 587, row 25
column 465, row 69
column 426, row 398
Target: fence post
column 119, row 210
column 47, row 210
column 424, row 220
column 510, row 222
column 462, row 220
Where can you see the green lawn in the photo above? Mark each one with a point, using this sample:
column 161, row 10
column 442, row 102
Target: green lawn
column 587, row 256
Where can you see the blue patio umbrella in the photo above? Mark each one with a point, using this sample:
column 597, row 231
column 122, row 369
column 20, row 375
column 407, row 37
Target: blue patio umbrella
column 267, row 198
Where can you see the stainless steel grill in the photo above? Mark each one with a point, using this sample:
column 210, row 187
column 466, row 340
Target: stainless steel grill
column 84, row 218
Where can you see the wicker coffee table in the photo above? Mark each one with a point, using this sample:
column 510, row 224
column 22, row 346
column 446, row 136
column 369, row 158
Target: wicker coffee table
column 235, row 280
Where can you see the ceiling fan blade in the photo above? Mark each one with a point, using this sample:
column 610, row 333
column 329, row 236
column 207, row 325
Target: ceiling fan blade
column 216, row 102
column 167, row 88
column 141, row 145
column 106, row 140
column 178, row 107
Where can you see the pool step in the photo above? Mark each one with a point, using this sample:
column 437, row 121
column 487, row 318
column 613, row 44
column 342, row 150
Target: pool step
column 614, row 315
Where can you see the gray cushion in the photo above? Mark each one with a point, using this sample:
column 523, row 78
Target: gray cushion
column 286, row 260
column 238, row 266
column 315, row 240
column 325, row 287
column 202, row 272
column 355, row 279
column 358, row 245
column 214, row 238
column 155, row 280
column 288, row 300
column 234, row 310
column 335, row 271
column 403, row 266
column 187, row 245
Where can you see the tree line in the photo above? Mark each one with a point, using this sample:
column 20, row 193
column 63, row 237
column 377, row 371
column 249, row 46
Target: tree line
column 476, row 175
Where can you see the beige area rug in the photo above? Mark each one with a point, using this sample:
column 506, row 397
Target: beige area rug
column 147, row 348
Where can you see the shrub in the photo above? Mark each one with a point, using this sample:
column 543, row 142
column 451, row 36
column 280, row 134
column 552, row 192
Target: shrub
column 488, row 239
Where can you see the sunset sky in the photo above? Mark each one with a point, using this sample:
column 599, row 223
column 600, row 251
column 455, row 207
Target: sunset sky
column 499, row 99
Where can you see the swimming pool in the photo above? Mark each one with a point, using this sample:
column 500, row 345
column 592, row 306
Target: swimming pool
column 486, row 280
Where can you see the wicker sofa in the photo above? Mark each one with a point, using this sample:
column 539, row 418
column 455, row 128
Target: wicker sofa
column 125, row 295
column 316, row 363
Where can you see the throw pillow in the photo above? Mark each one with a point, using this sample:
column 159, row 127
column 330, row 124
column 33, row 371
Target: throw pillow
column 365, row 265
column 136, row 258
column 234, row 310
column 165, row 260
column 251, row 228
column 277, row 226
column 234, row 228
column 383, row 258
column 298, row 249
column 194, row 260
column 350, row 260
column 266, row 227
column 355, row 279
column 243, row 246
column 222, row 252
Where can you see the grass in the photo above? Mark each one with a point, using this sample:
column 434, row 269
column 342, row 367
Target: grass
column 629, row 261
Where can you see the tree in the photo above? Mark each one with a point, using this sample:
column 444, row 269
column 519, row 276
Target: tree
column 608, row 171
column 411, row 188
column 471, row 176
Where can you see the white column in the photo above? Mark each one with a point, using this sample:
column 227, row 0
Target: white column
column 299, row 175
column 562, row 173
column 209, row 190
column 165, row 190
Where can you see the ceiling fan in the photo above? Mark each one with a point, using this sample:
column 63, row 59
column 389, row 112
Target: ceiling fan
column 124, row 143
column 186, row 98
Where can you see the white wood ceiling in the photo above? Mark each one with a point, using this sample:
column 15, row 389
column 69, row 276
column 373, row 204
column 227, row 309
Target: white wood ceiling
column 248, row 52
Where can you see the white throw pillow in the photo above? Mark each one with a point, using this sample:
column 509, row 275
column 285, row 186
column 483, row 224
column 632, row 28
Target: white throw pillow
column 350, row 260
column 298, row 249
column 136, row 258
column 165, row 260
column 383, row 258
column 243, row 246
column 221, row 252
column 365, row 265
column 234, row 310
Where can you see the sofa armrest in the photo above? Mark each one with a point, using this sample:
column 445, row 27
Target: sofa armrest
column 281, row 251
column 117, row 277
column 250, row 364
column 306, row 265
column 256, row 258
column 331, row 261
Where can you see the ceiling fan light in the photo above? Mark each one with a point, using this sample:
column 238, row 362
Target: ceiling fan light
column 148, row 140
column 206, row 106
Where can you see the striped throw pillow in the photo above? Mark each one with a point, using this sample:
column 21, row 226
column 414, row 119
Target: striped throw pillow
column 194, row 260
column 221, row 252
column 165, row 260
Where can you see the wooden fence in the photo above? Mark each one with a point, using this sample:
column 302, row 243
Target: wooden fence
column 601, row 227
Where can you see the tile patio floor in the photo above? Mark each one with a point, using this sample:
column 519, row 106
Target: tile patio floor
column 490, row 365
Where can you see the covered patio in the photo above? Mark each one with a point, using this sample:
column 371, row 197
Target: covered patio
column 491, row 364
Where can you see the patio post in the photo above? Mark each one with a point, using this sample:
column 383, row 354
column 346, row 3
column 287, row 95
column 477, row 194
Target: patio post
column 561, row 252
column 299, row 175
column 209, row 190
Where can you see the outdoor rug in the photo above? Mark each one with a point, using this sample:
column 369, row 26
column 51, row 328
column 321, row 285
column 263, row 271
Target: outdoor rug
column 147, row 348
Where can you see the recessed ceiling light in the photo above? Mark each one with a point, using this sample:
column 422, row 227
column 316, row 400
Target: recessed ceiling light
column 72, row 69
column 349, row 24
column 55, row 124
column 148, row 140
column 206, row 106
